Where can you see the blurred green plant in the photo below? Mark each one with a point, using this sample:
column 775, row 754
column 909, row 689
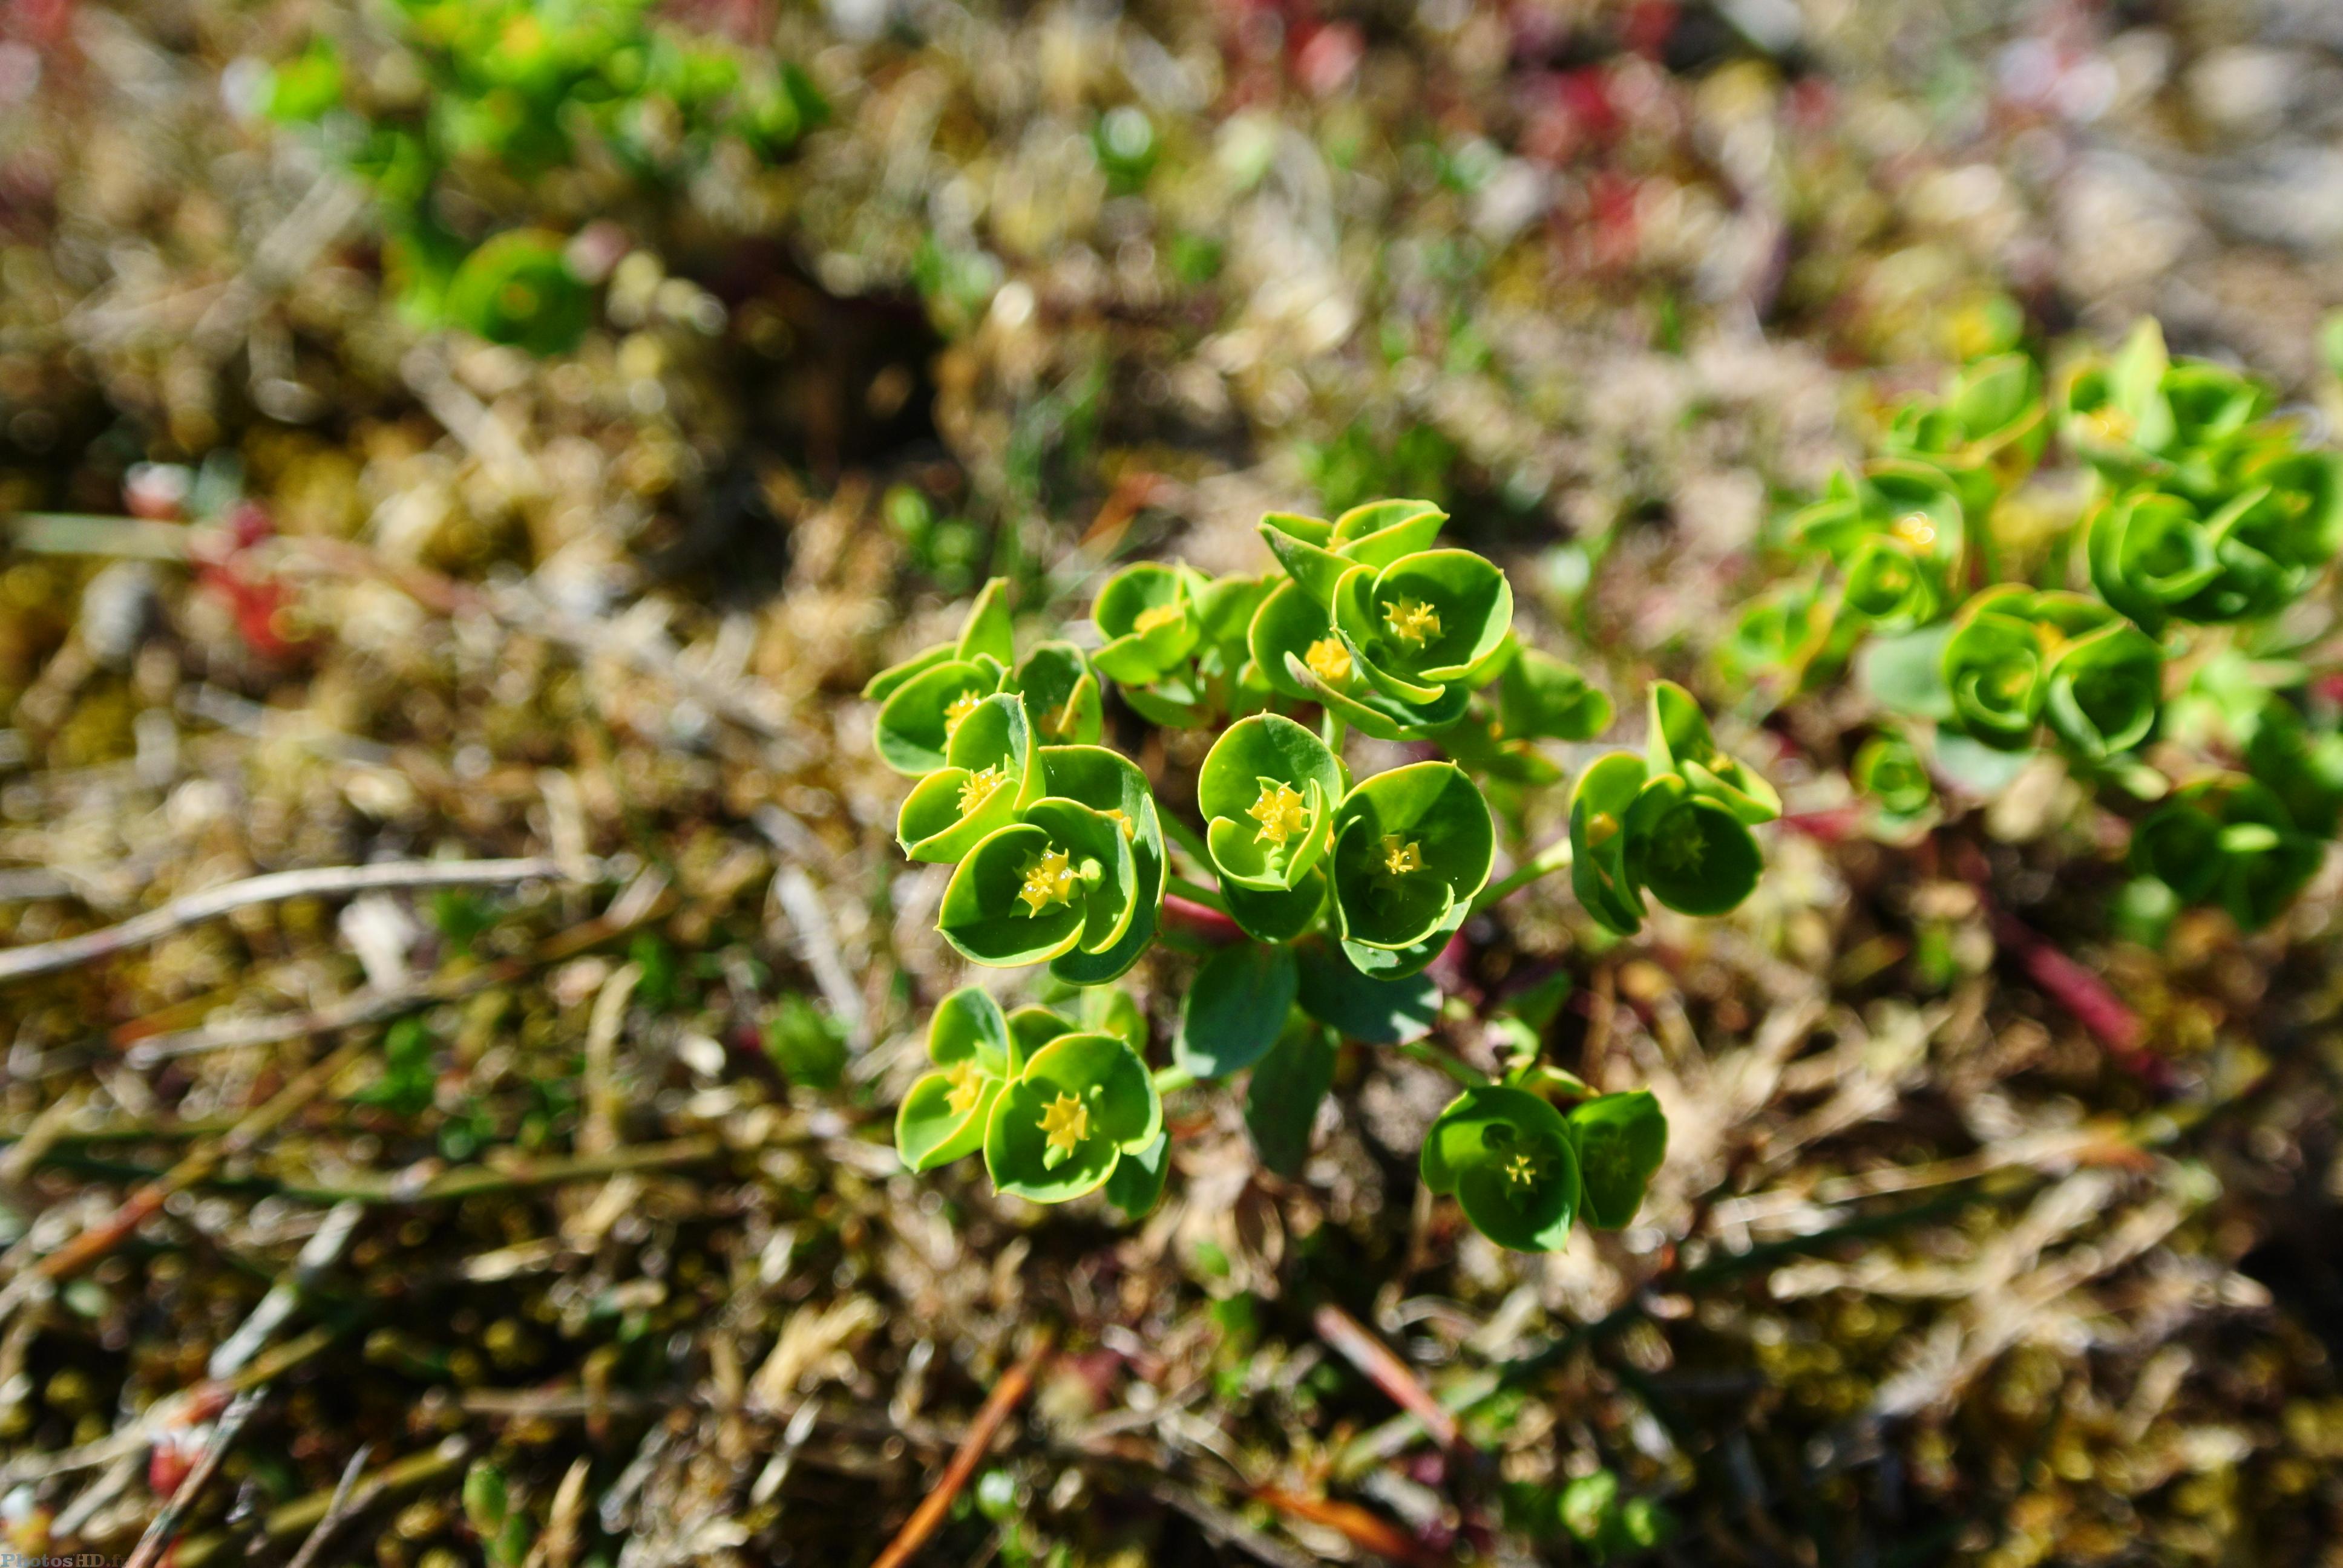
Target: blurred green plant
column 472, row 110
column 2164, row 643
column 1333, row 894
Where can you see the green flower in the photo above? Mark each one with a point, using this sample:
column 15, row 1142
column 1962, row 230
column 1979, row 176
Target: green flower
column 1425, row 623
column 1896, row 533
column 1061, row 693
column 1512, row 1163
column 1621, row 1140
column 2103, row 684
column 985, row 776
column 1147, row 615
column 1267, row 792
column 1065, row 1123
column 1691, row 850
column 1985, row 433
column 516, row 289
column 944, row 1116
column 2226, row 839
column 1060, row 878
column 1682, row 743
column 1411, row 847
column 2158, row 557
column 2142, row 416
column 923, row 699
column 1112, row 785
column 1887, row 768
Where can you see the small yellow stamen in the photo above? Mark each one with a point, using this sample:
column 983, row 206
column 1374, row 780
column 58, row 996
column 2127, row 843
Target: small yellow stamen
column 1155, row 616
column 1329, row 660
column 1050, row 880
column 1065, row 1121
column 967, row 1081
column 1412, row 620
column 978, row 787
column 1522, row 1170
column 1399, row 859
column 1122, row 820
column 961, row 707
column 1914, row 530
column 1280, row 811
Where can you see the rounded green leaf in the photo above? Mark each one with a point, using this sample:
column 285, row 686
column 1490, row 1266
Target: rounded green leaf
column 1432, row 617
column 1032, row 1028
column 1288, row 621
column 943, row 1117
column 1235, row 1008
column 1682, row 743
column 1283, row 1097
column 986, row 631
column 1376, row 713
column 2149, row 553
column 1389, row 1011
column 1400, row 963
column 1621, row 1140
column 1509, row 1159
column 1541, row 697
column 969, row 1026
column 1267, row 792
column 1381, row 532
column 1061, row 694
column 881, row 686
column 1279, row 916
column 1135, row 1185
column 1014, row 899
column 516, row 289
column 1059, row 1129
column 1598, row 864
column 1688, row 850
column 951, row 809
column 2103, row 691
column 1147, row 620
column 1889, row 770
column 1105, row 873
column 1411, row 845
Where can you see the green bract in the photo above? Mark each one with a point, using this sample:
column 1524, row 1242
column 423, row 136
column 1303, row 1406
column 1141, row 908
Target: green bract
column 1993, row 669
column 2227, row 839
column 1347, row 891
column 1888, row 768
column 944, row 1116
column 1065, row 1121
column 1621, row 1140
column 518, row 288
column 1412, row 846
column 1268, row 790
column 1512, row 1163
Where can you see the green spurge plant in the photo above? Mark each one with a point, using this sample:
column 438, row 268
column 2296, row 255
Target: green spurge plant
column 1330, row 894
column 2165, row 640
column 472, row 111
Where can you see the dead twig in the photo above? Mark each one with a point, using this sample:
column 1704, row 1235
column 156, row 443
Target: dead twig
column 321, row 882
column 167, row 1523
column 337, row 1510
column 1005, row 1397
column 1351, row 1340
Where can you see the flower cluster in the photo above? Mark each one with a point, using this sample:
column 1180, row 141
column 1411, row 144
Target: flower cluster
column 1333, row 893
column 2148, row 642
column 508, row 90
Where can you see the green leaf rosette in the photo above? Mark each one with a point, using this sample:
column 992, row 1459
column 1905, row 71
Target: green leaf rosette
column 1888, row 770
column 1426, row 623
column 1147, row 615
column 2228, row 840
column 2302, row 767
column 516, row 289
column 1267, row 792
column 1985, row 433
column 1621, row 1140
column 1063, row 1125
column 1111, row 784
column 2104, row 687
column 986, row 777
column 1509, row 1159
column 944, row 1116
column 1411, row 847
column 1682, row 743
column 1993, row 669
column 1060, row 878
column 1689, row 849
column 1896, row 533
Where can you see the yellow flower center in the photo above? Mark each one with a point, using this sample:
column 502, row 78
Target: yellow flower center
column 967, row 1081
column 1155, row 616
column 1914, row 530
column 1521, row 1171
column 1050, row 880
column 1065, row 1122
column 2109, row 423
column 961, row 707
column 1329, row 660
column 1399, row 859
column 1280, row 811
column 1122, row 820
column 1684, row 851
column 1412, row 620
column 1601, row 828
column 978, row 787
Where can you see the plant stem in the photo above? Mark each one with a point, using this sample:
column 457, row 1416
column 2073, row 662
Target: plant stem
column 1334, row 731
column 1169, row 1080
column 1554, row 858
column 1195, row 892
column 1463, row 1072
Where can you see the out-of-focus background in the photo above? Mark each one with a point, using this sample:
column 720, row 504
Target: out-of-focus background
column 583, row 1188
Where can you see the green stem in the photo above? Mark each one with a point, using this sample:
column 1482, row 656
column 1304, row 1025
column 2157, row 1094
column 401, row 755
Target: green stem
column 1196, row 892
column 1555, row 857
column 1463, row 1072
column 1169, row 1080
column 1187, row 837
column 1334, row 731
